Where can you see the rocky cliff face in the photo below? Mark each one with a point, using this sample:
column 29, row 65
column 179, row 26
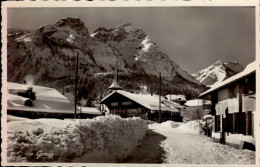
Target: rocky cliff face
column 49, row 53
column 218, row 72
column 140, row 52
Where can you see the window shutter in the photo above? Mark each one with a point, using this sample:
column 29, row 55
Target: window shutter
column 216, row 123
column 234, row 122
column 247, row 121
column 213, row 124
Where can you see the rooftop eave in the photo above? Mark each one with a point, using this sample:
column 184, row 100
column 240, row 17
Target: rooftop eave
column 223, row 85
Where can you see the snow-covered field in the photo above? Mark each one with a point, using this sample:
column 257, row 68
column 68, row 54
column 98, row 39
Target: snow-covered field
column 102, row 139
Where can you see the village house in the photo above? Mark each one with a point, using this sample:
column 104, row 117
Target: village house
column 181, row 99
column 146, row 106
column 196, row 109
column 233, row 108
column 44, row 102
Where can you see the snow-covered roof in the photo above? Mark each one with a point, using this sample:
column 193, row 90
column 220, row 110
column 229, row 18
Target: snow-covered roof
column 115, row 86
column 89, row 110
column 176, row 97
column 250, row 68
column 148, row 101
column 47, row 99
column 171, row 103
column 197, row 102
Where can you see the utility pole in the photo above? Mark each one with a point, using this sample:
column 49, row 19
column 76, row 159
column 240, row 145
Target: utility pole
column 76, row 85
column 62, row 84
column 100, row 97
column 160, row 96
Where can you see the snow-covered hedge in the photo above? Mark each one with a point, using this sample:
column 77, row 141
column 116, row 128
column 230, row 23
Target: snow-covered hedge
column 192, row 127
column 103, row 139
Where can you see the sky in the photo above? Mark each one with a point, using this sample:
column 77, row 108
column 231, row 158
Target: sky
column 193, row 37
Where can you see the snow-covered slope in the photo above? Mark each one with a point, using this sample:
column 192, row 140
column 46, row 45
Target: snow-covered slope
column 140, row 52
column 217, row 72
column 49, row 52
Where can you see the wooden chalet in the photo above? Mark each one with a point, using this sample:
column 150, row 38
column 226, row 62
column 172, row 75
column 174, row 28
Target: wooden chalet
column 128, row 104
column 233, row 107
column 146, row 106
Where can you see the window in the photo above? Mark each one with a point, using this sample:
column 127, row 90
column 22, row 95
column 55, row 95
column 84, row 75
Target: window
column 217, row 123
column 232, row 91
column 249, row 84
column 234, row 122
column 249, row 123
column 242, row 123
column 229, row 123
column 127, row 103
column 114, row 104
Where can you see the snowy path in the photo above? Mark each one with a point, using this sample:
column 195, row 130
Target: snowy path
column 149, row 150
column 165, row 144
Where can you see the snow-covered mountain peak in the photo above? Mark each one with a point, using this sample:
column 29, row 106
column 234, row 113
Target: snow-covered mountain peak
column 218, row 63
column 74, row 23
column 147, row 44
column 217, row 72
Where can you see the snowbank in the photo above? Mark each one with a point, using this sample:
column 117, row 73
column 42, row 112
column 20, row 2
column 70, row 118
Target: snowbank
column 192, row 127
column 103, row 139
column 165, row 125
column 11, row 118
column 170, row 124
column 24, row 124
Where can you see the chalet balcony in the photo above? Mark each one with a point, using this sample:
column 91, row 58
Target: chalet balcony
column 231, row 105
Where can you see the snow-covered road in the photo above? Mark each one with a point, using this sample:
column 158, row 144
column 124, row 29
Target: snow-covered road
column 179, row 147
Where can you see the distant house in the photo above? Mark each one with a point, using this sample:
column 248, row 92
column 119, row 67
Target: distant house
column 89, row 112
column 233, row 108
column 147, row 106
column 47, row 103
column 181, row 99
column 196, row 109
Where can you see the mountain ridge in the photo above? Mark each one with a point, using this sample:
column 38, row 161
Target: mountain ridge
column 49, row 53
column 217, row 72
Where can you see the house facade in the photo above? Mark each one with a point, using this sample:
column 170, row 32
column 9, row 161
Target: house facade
column 147, row 106
column 233, row 107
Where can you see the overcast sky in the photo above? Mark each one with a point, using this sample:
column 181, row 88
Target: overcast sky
column 193, row 37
